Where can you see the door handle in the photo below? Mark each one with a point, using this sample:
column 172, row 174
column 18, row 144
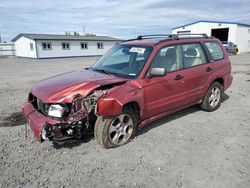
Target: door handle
column 178, row 77
column 209, row 69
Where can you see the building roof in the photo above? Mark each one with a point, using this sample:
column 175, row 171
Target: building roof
column 209, row 21
column 64, row 37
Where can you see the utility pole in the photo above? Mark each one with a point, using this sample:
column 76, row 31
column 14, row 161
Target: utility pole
column 83, row 29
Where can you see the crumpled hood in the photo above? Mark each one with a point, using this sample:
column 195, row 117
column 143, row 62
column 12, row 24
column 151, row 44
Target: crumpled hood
column 63, row 88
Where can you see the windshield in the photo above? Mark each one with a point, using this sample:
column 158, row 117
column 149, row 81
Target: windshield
column 123, row 60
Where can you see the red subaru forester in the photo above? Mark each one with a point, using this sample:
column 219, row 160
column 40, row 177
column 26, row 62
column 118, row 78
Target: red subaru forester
column 133, row 84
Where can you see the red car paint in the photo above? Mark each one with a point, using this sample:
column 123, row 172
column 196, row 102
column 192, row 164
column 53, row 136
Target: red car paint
column 63, row 88
column 36, row 120
column 155, row 97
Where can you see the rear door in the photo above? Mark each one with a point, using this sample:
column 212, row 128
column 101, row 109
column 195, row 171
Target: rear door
column 219, row 62
column 196, row 71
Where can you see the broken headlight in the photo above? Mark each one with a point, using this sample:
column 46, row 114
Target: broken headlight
column 57, row 110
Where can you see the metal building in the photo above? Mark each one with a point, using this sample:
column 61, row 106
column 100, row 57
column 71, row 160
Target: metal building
column 53, row 46
column 235, row 32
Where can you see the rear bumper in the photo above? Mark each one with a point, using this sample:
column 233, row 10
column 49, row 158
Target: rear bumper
column 36, row 120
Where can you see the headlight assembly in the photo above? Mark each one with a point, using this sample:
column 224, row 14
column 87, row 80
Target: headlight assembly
column 56, row 110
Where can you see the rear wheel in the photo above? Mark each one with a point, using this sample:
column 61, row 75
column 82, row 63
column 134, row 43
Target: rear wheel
column 212, row 100
column 116, row 131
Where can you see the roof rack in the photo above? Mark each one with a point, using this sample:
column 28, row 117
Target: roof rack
column 169, row 36
column 140, row 37
column 204, row 35
column 173, row 36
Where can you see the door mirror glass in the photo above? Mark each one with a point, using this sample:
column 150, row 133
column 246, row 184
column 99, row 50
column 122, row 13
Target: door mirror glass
column 157, row 72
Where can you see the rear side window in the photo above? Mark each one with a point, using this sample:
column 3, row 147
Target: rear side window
column 215, row 50
column 193, row 55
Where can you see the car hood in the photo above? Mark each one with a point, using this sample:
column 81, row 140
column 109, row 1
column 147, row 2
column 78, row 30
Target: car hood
column 65, row 87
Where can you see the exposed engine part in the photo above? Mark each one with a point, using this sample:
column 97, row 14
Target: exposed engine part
column 62, row 131
column 70, row 131
column 83, row 106
column 91, row 100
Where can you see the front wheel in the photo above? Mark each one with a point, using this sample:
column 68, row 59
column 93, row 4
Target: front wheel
column 115, row 131
column 212, row 100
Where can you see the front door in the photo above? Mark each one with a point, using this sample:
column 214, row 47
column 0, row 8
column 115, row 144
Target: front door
column 166, row 93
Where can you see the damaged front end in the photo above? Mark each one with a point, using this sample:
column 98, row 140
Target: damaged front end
column 60, row 122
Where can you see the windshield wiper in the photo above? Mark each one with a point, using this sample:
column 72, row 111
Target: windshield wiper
column 101, row 70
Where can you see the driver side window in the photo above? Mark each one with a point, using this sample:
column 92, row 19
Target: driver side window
column 169, row 58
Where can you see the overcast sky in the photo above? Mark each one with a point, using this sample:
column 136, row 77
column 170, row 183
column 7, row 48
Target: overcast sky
column 118, row 18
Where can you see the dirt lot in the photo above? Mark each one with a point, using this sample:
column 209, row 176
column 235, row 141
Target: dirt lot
column 190, row 148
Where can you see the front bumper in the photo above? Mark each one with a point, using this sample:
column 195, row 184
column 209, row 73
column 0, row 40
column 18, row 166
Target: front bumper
column 36, row 120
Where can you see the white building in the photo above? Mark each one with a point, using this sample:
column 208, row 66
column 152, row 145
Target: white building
column 7, row 49
column 52, row 46
column 235, row 32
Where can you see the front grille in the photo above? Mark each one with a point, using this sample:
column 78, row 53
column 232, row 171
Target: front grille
column 38, row 104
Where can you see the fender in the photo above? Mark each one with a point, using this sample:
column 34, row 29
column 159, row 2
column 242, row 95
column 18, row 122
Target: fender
column 112, row 103
column 108, row 107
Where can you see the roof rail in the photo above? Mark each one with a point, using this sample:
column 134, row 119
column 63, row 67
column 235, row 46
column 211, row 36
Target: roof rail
column 172, row 36
column 168, row 36
column 140, row 37
column 204, row 35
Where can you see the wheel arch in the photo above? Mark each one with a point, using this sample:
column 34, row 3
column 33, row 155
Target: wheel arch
column 134, row 106
column 220, row 80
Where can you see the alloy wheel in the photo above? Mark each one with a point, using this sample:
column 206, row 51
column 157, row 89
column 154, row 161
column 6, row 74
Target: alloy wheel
column 121, row 129
column 214, row 97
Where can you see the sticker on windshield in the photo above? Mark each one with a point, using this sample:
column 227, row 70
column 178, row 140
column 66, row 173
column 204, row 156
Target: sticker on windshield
column 137, row 50
column 132, row 74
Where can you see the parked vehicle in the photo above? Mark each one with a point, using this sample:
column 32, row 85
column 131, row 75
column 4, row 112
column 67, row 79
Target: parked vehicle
column 133, row 84
column 230, row 47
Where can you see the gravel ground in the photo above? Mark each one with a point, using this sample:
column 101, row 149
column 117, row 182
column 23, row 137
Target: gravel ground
column 190, row 148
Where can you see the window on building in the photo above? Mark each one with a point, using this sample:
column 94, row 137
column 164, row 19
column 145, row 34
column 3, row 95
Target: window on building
column 248, row 43
column 31, row 46
column 185, row 32
column 215, row 50
column 65, row 45
column 99, row 45
column 46, row 46
column 84, row 45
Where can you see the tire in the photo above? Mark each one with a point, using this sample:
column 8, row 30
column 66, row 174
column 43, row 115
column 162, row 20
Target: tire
column 212, row 100
column 236, row 52
column 111, row 132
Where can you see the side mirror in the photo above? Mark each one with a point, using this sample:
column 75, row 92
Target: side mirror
column 157, row 72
